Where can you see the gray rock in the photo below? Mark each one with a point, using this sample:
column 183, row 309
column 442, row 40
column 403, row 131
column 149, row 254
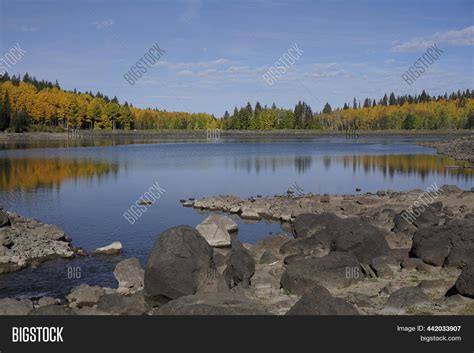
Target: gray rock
column 319, row 301
column 240, row 266
column 271, row 243
column 381, row 267
column 52, row 309
column 215, row 229
column 248, row 213
column 268, row 257
column 404, row 298
column 10, row 306
column 335, row 270
column 85, row 295
column 410, row 263
column 130, row 275
column 111, row 249
column 4, row 220
column 213, row 304
column 360, row 299
column 434, row 244
column 119, row 304
column 359, row 237
column 307, row 224
column 178, row 261
column 465, row 282
column 47, row 301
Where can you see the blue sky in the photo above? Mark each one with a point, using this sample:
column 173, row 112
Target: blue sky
column 217, row 51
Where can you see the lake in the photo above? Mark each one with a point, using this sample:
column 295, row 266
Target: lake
column 86, row 190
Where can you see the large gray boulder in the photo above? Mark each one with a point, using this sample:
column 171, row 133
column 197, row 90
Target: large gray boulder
column 10, row 306
column 240, row 266
column 465, row 282
column 319, row 301
column 178, row 261
column 208, row 303
column 451, row 244
column 307, row 224
column 335, row 270
column 359, row 237
column 130, row 275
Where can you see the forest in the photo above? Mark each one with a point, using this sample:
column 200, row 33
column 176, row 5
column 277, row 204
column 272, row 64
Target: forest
column 27, row 104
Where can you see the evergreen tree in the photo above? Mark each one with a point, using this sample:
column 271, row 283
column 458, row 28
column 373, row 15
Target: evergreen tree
column 327, row 109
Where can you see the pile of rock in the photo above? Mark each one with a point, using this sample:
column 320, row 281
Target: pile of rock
column 25, row 241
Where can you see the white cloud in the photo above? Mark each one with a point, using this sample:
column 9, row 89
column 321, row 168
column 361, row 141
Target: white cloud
column 462, row 37
column 184, row 73
column 104, row 23
column 29, row 28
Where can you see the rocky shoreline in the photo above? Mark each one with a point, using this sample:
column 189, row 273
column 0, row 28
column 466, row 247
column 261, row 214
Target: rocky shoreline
column 458, row 148
column 346, row 255
column 27, row 242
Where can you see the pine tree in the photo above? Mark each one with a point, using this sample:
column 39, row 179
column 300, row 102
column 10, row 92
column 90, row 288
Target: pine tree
column 327, row 109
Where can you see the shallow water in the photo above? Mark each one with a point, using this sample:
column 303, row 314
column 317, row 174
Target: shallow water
column 86, row 190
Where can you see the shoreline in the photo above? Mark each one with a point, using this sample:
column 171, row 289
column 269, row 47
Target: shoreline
column 224, row 134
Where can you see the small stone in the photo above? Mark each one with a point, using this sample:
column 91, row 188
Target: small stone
column 110, row 249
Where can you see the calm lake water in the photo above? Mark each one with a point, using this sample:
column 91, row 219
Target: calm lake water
column 86, row 190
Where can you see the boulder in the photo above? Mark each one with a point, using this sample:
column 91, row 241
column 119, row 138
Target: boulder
column 4, row 220
column 240, row 266
column 85, row 295
column 465, row 282
column 314, row 246
column 248, row 213
column 307, row 224
column 130, row 275
column 10, row 306
column 179, row 259
column 403, row 298
column 119, row 304
column 381, row 267
column 215, row 229
column 335, row 270
column 213, row 304
column 319, row 301
column 434, row 245
column 359, row 237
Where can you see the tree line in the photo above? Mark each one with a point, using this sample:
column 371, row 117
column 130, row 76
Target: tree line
column 29, row 104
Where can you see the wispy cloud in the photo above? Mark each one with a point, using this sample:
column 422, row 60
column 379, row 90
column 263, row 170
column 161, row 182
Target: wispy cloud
column 29, row 28
column 463, row 37
column 104, row 23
